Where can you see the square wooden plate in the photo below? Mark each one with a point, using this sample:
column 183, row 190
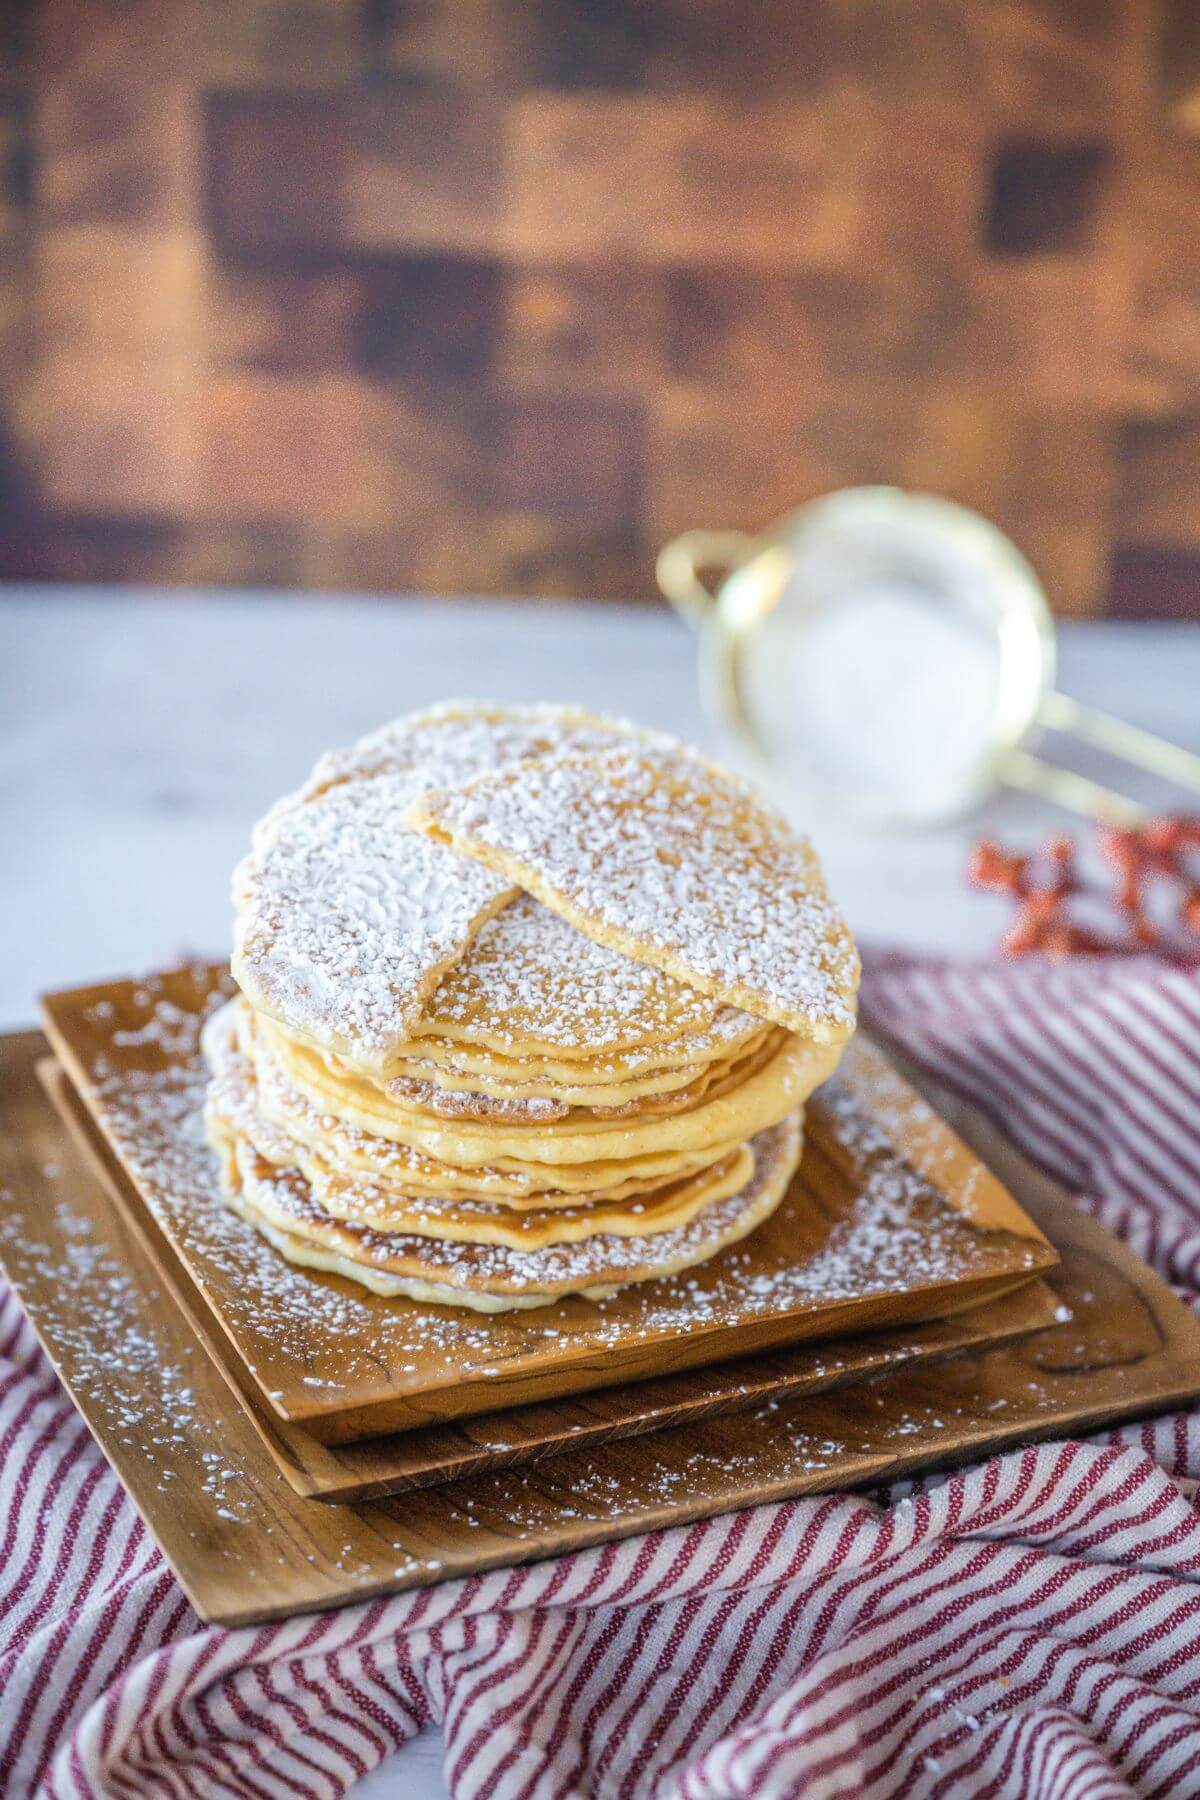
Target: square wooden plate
column 391, row 1464
column 246, row 1547
column 890, row 1220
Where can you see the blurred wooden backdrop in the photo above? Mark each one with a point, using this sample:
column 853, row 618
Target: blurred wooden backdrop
column 452, row 295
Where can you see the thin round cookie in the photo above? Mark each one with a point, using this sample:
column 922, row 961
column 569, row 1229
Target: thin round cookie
column 476, row 1222
column 457, row 739
column 357, row 1201
column 490, row 1277
column 531, row 985
column 473, row 1066
column 514, row 1183
column 582, row 1089
column 657, row 854
column 344, row 921
column 535, row 1104
column 784, row 1081
column 344, row 925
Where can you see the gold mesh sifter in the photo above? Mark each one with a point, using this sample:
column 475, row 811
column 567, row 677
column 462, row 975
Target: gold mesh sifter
column 891, row 657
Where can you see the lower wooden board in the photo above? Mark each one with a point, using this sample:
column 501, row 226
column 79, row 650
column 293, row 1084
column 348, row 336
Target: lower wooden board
column 246, row 1547
column 393, row 1464
column 889, row 1220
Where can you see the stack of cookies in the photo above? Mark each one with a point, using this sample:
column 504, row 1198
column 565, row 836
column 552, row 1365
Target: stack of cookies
column 530, row 1004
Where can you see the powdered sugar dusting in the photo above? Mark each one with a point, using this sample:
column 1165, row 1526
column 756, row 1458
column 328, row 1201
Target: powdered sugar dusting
column 896, row 1236
column 530, row 975
column 458, row 738
column 674, row 864
column 346, row 919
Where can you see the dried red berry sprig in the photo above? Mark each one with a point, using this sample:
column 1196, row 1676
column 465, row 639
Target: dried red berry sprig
column 1152, row 904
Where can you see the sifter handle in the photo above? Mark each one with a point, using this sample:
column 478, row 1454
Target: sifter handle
column 1141, row 749
column 1133, row 745
column 1066, row 788
column 680, row 562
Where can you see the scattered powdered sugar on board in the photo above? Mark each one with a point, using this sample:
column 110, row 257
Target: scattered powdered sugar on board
column 897, row 1235
column 169, row 1028
column 115, row 1357
column 665, row 858
column 897, row 1111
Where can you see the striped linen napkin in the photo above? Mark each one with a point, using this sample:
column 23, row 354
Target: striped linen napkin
column 1030, row 1627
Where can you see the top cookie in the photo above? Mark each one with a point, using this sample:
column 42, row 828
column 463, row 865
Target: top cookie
column 452, row 742
column 531, row 985
column 346, row 920
column 657, row 853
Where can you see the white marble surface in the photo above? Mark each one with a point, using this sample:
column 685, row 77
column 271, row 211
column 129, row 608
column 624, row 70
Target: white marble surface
column 140, row 735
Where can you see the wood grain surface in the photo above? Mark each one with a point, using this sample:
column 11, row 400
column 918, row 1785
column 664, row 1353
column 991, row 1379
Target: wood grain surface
column 890, row 1220
column 247, row 1547
column 436, row 1453
column 495, row 298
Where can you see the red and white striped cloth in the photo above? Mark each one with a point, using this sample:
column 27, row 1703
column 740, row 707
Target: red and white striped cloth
column 1030, row 1627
